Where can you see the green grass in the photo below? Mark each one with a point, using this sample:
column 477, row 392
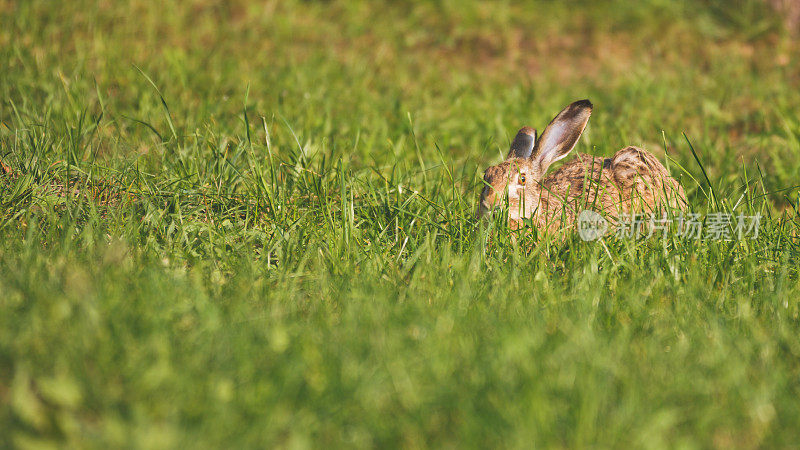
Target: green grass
column 253, row 226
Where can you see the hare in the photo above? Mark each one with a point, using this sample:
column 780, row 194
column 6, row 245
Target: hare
column 631, row 181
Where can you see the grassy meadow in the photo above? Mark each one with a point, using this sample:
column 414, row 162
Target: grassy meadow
column 251, row 225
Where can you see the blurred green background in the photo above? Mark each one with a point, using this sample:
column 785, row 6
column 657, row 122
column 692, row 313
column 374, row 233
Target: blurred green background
column 469, row 74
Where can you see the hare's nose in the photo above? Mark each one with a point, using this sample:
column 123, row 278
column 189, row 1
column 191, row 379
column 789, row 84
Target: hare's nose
column 487, row 195
column 483, row 210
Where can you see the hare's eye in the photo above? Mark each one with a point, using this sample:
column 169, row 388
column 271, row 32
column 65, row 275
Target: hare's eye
column 522, row 178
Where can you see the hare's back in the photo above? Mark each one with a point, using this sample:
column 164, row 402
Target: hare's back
column 578, row 177
column 638, row 174
column 633, row 163
column 632, row 180
column 584, row 182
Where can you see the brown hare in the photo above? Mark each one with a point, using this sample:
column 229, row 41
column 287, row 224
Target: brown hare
column 631, row 181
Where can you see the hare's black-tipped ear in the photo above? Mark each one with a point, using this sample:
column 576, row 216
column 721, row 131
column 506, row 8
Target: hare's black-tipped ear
column 523, row 144
column 562, row 134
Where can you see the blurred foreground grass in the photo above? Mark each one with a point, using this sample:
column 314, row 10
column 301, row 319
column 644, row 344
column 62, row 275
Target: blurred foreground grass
column 252, row 225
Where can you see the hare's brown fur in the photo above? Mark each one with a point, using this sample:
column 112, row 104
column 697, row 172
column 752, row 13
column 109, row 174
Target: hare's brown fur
column 633, row 180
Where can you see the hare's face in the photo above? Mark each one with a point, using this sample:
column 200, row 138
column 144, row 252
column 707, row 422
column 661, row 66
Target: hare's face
column 515, row 184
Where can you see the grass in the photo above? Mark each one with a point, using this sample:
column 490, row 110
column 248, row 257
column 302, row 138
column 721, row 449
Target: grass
column 253, row 225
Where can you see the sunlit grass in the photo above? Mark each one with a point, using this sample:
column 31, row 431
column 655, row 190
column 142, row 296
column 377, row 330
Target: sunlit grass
column 254, row 225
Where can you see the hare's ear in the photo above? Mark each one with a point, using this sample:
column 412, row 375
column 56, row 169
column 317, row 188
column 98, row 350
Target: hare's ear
column 561, row 134
column 523, row 144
